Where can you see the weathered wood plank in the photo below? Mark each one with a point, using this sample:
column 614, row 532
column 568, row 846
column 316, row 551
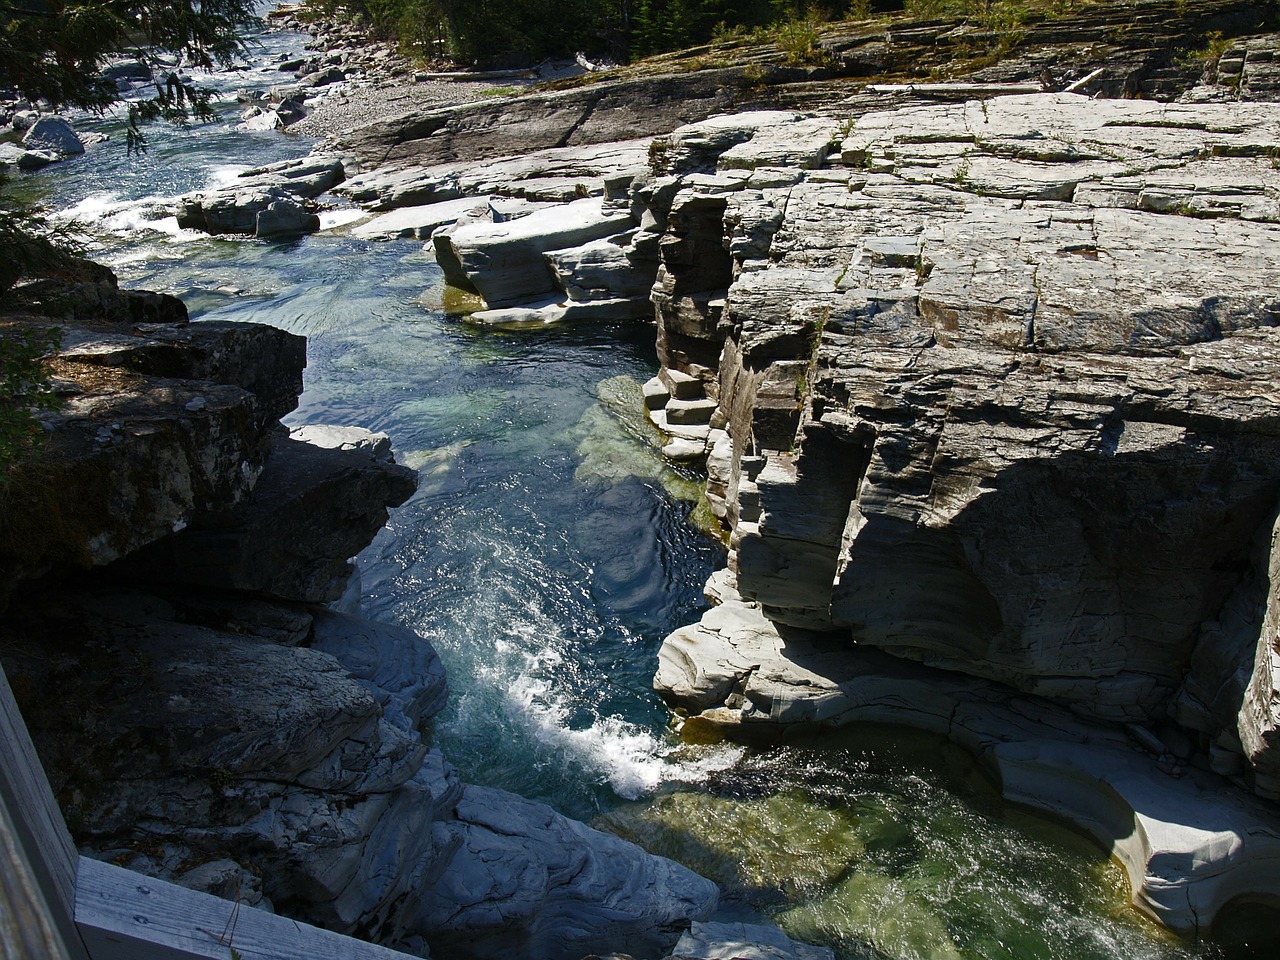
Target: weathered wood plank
column 124, row 915
column 37, row 824
column 27, row 930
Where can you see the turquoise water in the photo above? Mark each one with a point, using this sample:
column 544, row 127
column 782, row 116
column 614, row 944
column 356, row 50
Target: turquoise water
column 547, row 552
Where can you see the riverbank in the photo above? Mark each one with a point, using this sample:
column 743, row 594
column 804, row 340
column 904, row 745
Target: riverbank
column 367, row 80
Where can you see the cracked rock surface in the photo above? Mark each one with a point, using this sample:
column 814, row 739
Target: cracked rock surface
column 997, row 382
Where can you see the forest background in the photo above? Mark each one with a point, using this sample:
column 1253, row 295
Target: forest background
column 522, row 32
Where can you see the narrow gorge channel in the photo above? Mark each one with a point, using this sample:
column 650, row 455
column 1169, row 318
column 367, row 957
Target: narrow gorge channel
column 548, row 551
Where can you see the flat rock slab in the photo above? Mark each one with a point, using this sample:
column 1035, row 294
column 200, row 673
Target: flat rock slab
column 504, row 262
column 417, row 222
column 538, row 175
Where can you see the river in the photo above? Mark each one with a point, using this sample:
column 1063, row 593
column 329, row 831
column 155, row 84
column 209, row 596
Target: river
column 546, row 554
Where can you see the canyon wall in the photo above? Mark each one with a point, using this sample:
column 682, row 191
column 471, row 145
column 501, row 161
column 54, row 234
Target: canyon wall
column 994, row 395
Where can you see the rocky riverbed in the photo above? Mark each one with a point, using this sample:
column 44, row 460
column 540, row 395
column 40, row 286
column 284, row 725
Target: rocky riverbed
column 983, row 390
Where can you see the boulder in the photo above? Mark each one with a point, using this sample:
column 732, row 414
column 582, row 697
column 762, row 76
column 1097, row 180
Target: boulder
column 35, row 159
column 265, row 201
column 240, row 212
column 11, row 155
column 504, row 262
column 261, row 120
column 529, row 884
column 311, row 511
column 602, row 269
column 322, row 78
column 282, row 217
column 129, row 70
column 54, row 135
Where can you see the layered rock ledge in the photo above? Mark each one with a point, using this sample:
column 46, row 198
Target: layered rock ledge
column 995, row 441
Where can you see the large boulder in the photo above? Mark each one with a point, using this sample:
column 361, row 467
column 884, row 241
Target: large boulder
column 264, row 202
column 55, row 135
column 530, row 884
column 504, row 262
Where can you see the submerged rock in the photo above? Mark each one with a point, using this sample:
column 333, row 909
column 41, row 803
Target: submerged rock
column 743, row 941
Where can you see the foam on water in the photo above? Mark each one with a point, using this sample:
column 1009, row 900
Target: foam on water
column 631, row 759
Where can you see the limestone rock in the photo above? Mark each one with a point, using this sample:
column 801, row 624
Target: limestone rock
column 528, row 883
column 398, row 667
column 504, row 262
column 54, row 135
column 264, row 360
column 312, row 509
column 604, row 112
column 266, row 201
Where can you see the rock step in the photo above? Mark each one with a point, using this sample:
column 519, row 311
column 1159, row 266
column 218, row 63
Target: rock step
column 690, row 412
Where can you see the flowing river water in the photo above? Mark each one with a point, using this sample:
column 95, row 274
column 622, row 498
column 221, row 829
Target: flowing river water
column 546, row 554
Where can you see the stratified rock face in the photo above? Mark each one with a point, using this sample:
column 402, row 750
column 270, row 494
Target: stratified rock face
column 1000, row 390
column 160, row 421
column 311, row 511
